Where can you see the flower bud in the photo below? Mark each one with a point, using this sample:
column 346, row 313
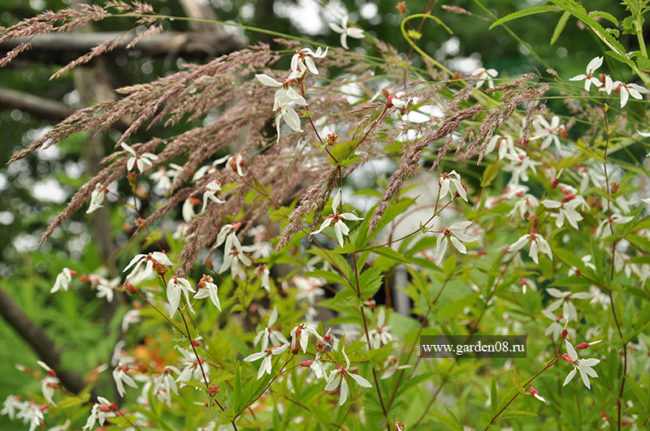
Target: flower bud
column 129, row 287
column 214, row 390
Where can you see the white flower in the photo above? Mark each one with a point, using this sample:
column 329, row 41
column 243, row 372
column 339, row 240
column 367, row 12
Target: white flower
column 454, row 234
column 336, row 219
column 100, row 412
column 549, row 132
column 193, row 368
column 211, row 190
column 392, row 365
column 130, row 317
column 163, row 177
column 208, row 289
column 536, row 243
column 63, row 280
column 309, row 288
column 105, row 288
column 582, row 365
column 141, row 161
column 627, row 90
column 266, row 366
column 48, row 385
column 121, row 377
column 301, row 334
column 339, row 377
column 96, row 198
column 614, row 219
column 346, row 31
column 588, row 76
column 31, row 414
column 285, row 97
column 302, row 60
column 175, row 287
column 62, row 427
column 526, row 205
column 519, row 165
column 164, row 384
column 564, row 300
column 505, row 144
column 566, row 209
column 451, row 184
column 270, row 334
column 264, row 274
column 316, row 366
column 556, row 327
column 152, row 262
column 234, row 257
column 236, row 164
column 380, row 335
column 483, row 75
column 11, row 404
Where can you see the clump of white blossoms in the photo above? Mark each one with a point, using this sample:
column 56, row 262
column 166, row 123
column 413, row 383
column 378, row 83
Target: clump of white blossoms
column 336, row 219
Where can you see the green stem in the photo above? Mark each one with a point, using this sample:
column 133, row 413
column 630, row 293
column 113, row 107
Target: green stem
column 639, row 35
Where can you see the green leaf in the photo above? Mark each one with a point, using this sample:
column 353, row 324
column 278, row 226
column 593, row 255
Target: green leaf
column 605, row 15
column 336, row 260
column 390, row 253
column 330, row 276
column 639, row 241
column 490, row 173
column 559, row 27
column 72, row 401
column 508, row 414
column 493, row 397
column 525, row 12
column 370, row 281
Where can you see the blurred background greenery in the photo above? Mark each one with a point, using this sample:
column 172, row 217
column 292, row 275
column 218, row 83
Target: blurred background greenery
column 35, row 189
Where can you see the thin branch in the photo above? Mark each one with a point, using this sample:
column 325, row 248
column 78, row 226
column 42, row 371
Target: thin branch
column 61, row 48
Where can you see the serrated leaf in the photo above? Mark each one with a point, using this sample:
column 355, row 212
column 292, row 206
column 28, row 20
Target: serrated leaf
column 605, row 15
column 559, row 27
column 525, row 12
column 370, row 281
